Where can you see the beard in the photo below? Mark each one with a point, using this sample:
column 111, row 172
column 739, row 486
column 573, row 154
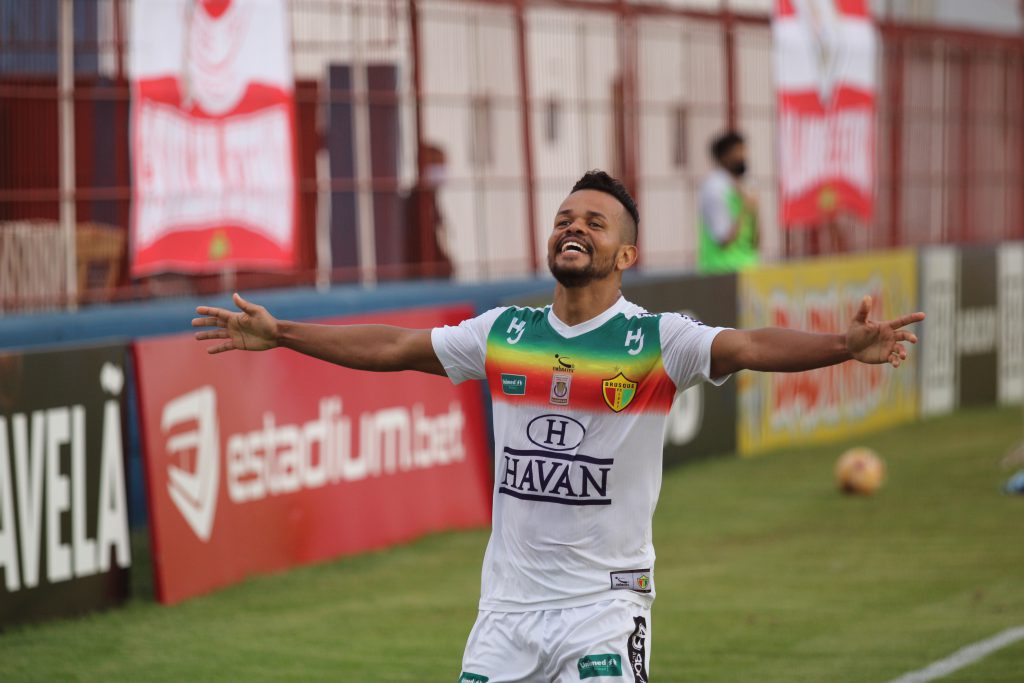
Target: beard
column 573, row 278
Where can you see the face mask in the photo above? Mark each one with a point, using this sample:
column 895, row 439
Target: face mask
column 737, row 168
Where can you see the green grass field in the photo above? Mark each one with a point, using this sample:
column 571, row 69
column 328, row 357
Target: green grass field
column 765, row 574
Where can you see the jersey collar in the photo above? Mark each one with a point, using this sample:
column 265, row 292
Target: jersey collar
column 570, row 331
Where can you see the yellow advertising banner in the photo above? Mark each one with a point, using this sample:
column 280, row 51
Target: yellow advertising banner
column 782, row 409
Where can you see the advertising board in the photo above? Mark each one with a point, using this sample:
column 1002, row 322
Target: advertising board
column 64, row 542
column 781, row 409
column 259, row 462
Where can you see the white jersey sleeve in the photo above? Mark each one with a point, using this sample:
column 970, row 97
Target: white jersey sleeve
column 462, row 349
column 686, row 350
column 714, row 207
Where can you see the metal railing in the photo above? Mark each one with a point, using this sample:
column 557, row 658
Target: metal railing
column 436, row 138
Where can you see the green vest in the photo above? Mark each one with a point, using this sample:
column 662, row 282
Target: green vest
column 739, row 254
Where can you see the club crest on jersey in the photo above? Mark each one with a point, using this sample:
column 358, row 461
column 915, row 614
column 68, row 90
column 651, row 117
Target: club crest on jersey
column 560, row 383
column 618, row 392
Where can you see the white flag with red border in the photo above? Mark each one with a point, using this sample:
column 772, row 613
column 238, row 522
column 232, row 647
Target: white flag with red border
column 213, row 131
column 825, row 72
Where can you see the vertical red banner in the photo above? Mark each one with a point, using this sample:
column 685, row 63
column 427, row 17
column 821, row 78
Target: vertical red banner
column 825, row 53
column 259, row 462
column 212, row 139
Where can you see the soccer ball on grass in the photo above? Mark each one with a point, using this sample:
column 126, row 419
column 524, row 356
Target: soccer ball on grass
column 860, row 470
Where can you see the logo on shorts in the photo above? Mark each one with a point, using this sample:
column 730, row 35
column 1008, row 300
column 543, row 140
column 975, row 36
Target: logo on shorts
column 467, row 677
column 513, row 385
column 592, row 666
column 618, row 392
column 636, row 648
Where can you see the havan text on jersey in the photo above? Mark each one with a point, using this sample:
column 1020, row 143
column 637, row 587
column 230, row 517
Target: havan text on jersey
column 550, row 474
column 555, row 477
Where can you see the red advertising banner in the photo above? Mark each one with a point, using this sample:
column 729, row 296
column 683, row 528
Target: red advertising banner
column 213, row 130
column 259, row 462
column 825, row 54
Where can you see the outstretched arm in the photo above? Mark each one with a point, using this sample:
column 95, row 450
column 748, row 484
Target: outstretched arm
column 775, row 349
column 381, row 348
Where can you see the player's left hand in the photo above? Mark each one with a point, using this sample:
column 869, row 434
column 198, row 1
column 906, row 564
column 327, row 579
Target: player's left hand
column 876, row 342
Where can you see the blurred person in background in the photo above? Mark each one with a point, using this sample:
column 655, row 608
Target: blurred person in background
column 728, row 225
column 426, row 237
column 581, row 390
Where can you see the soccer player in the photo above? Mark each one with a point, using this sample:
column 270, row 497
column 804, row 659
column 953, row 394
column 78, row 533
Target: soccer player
column 580, row 389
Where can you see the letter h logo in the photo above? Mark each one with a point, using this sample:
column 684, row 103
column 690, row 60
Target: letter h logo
column 554, row 431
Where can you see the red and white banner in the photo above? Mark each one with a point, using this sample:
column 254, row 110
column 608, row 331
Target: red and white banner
column 213, row 130
column 259, row 462
column 825, row 53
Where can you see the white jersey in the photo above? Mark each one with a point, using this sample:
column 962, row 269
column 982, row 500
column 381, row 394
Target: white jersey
column 579, row 419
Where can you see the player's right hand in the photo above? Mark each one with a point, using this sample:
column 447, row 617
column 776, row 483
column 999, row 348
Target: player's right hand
column 254, row 329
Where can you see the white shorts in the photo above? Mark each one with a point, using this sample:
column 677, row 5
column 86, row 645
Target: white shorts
column 606, row 641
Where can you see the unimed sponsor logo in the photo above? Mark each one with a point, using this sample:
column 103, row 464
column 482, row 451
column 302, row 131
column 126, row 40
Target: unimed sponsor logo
column 513, row 385
column 45, row 492
column 279, row 458
column 594, row 666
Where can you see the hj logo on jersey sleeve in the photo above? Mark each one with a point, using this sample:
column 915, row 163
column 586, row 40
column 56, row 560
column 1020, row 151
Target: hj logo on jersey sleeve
column 635, row 341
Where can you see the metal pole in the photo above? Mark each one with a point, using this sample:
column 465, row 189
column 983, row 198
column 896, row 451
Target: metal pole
column 364, row 180
column 964, row 232
column 525, row 106
column 118, row 43
column 66, row 118
column 729, row 25
column 895, row 141
column 1019, row 228
column 628, row 63
column 428, row 255
column 324, row 261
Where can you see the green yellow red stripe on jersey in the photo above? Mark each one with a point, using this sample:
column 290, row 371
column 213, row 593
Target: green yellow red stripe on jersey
column 615, row 368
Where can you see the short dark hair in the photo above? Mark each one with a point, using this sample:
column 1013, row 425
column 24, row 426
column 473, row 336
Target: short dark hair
column 721, row 145
column 602, row 182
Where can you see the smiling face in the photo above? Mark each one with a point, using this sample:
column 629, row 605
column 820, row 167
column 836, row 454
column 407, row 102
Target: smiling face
column 588, row 242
